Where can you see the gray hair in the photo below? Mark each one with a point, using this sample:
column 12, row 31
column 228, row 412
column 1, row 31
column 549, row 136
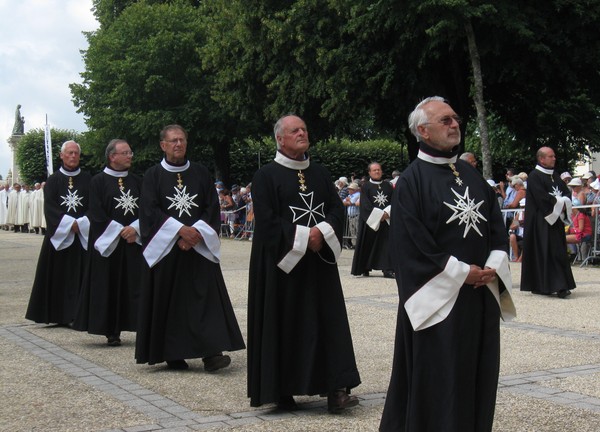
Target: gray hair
column 516, row 181
column 112, row 147
column 279, row 126
column 163, row 132
column 373, row 163
column 418, row 116
column 466, row 155
column 62, row 147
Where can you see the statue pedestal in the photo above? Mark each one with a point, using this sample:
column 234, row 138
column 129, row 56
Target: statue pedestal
column 13, row 141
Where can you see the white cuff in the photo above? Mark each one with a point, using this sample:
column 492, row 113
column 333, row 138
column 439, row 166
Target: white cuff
column 83, row 224
column 433, row 302
column 375, row 218
column 63, row 236
column 108, row 241
column 210, row 246
column 330, row 238
column 388, row 210
column 136, row 226
column 298, row 250
column 162, row 242
column 562, row 204
column 499, row 260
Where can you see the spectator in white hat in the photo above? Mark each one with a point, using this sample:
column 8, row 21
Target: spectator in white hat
column 566, row 177
column 577, row 195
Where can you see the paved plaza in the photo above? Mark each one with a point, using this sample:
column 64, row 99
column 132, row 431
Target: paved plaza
column 57, row 379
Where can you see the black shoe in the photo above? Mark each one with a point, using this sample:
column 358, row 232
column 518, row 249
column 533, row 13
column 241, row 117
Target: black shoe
column 287, row 403
column 389, row 274
column 113, row 340
column 217, row 362
column 177, row 364
column 339, row 400
column 366, row 274
column 563, row 294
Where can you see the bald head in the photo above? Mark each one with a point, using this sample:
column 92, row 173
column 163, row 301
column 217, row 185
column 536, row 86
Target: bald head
column 546, row 157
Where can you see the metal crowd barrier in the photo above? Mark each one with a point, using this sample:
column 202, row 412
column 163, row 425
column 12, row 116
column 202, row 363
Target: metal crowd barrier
column 594, row 249
column 234, row 227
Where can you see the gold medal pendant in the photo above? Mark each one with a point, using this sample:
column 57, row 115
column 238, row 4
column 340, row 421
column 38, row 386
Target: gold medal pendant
column 302, row 181
column 70, row 182
column 179, row 181
column 121, row 186
column 458, row 180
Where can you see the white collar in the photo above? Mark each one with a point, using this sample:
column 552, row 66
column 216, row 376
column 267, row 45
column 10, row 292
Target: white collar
column 70, row 173
column 281, row 159
column 544, row 170
column 375, row 182
column 112, row 172
column 436, row 159
column 174, row 169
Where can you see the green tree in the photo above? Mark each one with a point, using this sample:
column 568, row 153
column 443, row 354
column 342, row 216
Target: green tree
column 351, row 68
column 355, row 65
column 144, row 71
column 30, row 154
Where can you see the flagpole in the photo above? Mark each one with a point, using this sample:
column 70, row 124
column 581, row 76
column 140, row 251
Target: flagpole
column 48, row 148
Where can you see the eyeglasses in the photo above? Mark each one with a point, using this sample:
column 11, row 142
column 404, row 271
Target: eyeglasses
column 176, row 140
column 125, row 153
column 448, row 120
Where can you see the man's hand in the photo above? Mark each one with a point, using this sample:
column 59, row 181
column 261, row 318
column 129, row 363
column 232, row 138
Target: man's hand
column 315, row 239
column 190, row 236
column 75, row 227
column 183, row 245
column 478, row 276
column 129, row 234
column 385, row 216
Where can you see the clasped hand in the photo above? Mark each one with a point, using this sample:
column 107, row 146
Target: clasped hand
column 315, row 239
column 129, row 234
column 189, row 237
column 478, row 276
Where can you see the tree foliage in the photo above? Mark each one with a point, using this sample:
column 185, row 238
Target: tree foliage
column 343, row 157
column 370, row 62
column 353, row 69
column 143, row 72
column 30, row 154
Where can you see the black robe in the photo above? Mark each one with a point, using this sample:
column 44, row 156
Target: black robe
column 546, row 268
column 110, row 289
column 59, row 272
column 299, row 340
column 447, row 349
column 185, row 311
column 372, row 251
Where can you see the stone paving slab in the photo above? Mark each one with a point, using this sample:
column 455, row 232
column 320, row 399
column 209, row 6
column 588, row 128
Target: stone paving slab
column 56, row 379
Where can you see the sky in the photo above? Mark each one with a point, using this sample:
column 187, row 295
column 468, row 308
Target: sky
column 40, row 43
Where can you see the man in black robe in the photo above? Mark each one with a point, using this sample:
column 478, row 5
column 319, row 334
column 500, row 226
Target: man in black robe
column 185, row 311
column 109, row 294
column 59, row 272
column 546, row 268
column 372, row 250
column 299, row 340
column 449, row 249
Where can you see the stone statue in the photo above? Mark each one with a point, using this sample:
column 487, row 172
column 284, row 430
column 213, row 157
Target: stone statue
column 19, row 127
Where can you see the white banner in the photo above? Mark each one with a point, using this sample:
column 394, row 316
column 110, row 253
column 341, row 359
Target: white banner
column 48, row 147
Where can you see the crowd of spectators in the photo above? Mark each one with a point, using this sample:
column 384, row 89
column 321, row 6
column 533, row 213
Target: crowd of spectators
column 22, row 208
column 236, row 210
column 585, row 194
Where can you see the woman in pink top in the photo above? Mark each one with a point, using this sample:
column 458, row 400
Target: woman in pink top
column 581, row 230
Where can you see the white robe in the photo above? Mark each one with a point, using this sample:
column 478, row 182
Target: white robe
column 36, row 207
column 3, row 206
column 13, row 207
column 23, row 210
